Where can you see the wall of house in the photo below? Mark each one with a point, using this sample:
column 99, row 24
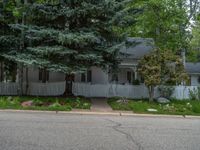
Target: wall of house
column 33, row 74
column 122, row 76
column 99, row 76
column 194, row 80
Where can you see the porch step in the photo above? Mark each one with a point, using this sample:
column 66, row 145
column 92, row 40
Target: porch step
column 100, row 105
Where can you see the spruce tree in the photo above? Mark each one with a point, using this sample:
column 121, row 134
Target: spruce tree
column 69, row 36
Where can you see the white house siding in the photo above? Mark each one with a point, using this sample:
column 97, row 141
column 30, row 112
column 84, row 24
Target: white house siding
column 56, row 77
column 122, row 75
column 99, row 76
column 194, row 80
column 33, row 75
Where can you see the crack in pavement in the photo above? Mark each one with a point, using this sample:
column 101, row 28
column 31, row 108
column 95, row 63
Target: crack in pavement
column 128, row 136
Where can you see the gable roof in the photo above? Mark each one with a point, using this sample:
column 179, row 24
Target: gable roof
column 192, row 67
column 136, row 48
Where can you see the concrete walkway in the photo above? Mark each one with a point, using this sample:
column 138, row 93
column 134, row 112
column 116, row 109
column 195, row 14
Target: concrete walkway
column 100, row 105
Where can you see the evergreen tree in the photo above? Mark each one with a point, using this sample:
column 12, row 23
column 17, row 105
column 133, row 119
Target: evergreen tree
column 69, row 36
column 9, row 40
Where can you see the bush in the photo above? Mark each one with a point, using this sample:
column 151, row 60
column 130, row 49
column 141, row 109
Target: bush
column 196, row 108
column 55, row 105
column 136, row 82
column 166, row 91
column 37, row 102
column 194, row 94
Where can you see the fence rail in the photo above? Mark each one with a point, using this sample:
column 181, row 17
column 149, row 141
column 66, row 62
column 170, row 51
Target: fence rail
column 92, row 90
column 129, row 91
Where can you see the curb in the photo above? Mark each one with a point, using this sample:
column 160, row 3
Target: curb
column 101, row 113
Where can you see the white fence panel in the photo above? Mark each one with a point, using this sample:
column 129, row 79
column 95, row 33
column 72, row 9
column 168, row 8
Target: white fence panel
column 92, row 90
column 110, row 90
column 46, row 89
column 8, row 88
column 182, row 92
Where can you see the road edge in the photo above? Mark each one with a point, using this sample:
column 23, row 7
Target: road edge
column 127, row 114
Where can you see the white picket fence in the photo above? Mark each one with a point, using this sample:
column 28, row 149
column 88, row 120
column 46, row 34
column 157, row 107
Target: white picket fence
column 128, row 91
column 92, row 90
column 35, row 89
column 46, row 89
column 8, row 88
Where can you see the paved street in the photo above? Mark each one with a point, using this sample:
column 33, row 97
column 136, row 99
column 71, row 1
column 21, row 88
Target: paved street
column 49, row 131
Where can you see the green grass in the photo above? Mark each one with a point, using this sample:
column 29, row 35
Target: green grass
column 45, row 103
column 174, row 108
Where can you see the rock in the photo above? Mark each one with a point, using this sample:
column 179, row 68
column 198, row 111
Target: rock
column 10, row 98
column 122, row 101
column 152, row 110
column 162, row 100
column 27, row 103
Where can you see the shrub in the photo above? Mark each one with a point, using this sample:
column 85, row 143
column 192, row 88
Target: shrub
column 37, row 102
column 166, row 91
column 196, row 108
column 136, row 82
column 194, row 94
column 56, row 104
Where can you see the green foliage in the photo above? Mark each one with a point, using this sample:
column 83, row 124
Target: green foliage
column 166, row 91
column 67, row 36
column 194, row 94
column 43, row 103
column 174, row 108
column 136, row 82
column 161, row 67
column 194, row 53
column 164, row 21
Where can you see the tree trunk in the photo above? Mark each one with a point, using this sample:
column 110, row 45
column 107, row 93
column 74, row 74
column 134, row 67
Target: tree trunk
column 151, row 93
column 69, row 78
column 20, row 79
column 27, row 81
column 2, row 72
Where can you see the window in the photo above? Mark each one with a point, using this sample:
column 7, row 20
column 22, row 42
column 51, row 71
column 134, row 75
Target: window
column 86, row 77
column 83, row 78
column 129, row 76
column 43, row 75
column 89, row 76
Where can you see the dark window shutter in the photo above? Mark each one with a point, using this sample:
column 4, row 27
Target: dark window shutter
column 89, row 76
column 129, row 76
column 40, row 74
column 83, row 78
column 47, row 75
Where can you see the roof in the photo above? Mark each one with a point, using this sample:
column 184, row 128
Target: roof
column 192, row 67
column 136, row 48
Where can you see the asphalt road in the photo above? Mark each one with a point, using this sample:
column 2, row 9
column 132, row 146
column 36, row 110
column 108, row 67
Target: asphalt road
column 44, row 131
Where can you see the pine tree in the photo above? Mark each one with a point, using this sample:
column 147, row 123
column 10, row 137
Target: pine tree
column 69, row 36
column 9, row 41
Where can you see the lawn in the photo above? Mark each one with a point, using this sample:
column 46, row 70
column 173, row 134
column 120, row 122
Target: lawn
column 175, row 107
column 44, row 103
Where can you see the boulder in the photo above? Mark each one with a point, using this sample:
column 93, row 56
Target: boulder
column 10, row 98
column 27, row 103
column 122, row 101
column 162, row 100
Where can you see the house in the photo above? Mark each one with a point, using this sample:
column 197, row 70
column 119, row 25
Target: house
column 127, row 69
column 96, row 82
column 193, row 70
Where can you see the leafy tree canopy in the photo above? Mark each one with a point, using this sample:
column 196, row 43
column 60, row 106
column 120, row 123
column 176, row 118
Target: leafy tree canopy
column 161, row 67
